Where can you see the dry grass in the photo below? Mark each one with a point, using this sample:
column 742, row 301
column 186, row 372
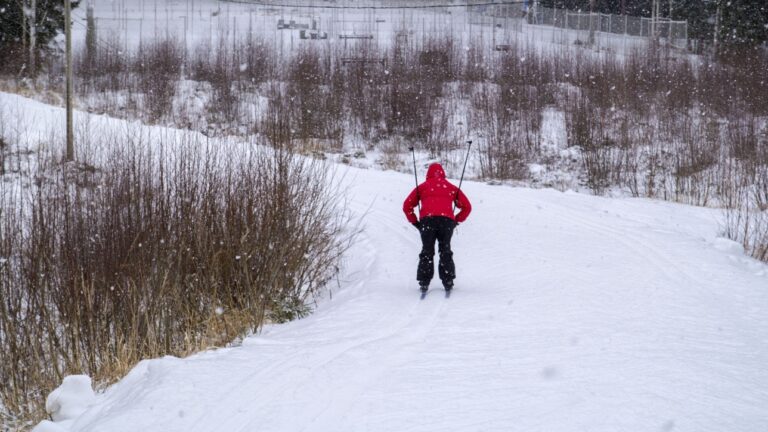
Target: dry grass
column 158, row 252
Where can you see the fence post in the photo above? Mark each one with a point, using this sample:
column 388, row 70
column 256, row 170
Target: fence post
column 610, row 23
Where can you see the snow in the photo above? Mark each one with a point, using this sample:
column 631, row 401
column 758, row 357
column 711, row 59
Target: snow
column 48, row 426
column 70, row 399
column 571, row 312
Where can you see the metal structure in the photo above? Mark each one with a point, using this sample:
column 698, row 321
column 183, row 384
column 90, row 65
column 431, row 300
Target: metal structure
column 674, row 32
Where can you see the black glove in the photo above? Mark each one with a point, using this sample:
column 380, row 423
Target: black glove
column 417, row 225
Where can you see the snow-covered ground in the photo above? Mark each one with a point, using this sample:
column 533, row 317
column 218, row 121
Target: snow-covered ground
column 571, row 312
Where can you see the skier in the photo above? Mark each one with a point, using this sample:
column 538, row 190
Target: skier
column 436, row 222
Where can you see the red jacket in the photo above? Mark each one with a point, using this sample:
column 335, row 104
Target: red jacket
column 437, row 197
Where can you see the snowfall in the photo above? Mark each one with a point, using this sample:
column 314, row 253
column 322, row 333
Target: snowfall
column 571, row 312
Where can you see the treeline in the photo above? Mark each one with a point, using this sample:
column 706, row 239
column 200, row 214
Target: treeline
column 26, row 29
column 737, row 22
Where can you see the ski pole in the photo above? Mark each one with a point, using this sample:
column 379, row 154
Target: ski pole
column 469, row 146
column 415, row 178
column 462, row 172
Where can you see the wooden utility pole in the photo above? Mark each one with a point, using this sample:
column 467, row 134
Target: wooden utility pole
column 70, row 156
column 591, row 21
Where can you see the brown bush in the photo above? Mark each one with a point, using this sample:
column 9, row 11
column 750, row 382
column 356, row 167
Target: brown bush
column 166, row 252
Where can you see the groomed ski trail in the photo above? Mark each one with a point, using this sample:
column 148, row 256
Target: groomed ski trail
column 570, row 312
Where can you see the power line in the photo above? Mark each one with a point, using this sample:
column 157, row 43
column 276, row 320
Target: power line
column 430, row 6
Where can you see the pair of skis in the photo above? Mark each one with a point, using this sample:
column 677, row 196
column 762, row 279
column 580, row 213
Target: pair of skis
column 424, row 293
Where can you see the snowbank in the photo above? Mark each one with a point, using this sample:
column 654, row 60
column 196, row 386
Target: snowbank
column 70, row 400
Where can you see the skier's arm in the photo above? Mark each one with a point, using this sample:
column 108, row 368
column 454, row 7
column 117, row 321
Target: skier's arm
column 463, row 203
column 411, row 202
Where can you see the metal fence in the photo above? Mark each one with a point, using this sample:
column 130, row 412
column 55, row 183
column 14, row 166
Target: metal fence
column 674, row 32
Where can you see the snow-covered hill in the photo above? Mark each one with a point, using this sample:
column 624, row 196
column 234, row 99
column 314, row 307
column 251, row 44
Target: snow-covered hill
column 571, row 312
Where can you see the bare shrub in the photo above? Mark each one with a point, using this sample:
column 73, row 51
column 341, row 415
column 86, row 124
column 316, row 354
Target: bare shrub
column 744, row 70
column 3, row 148
column 258, row 60
column 222, row 70
column 746, row 143
column 157, row 67
column 104, row 80
column 713, row 88
column 475, row 69
column 696, row 154
column 677, row 93
column 391, row 155
column 506, row 149
column 277, row 124
column 171, row 252
column 441, row 141
column 335, row 107
column 640, row 81
column 746, row 212
column 436, row 64
column 361, row 80
column 411, row 106
column 307, row 90
column 587, row 126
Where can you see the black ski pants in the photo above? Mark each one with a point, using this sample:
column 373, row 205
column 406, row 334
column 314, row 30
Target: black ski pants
column 438, row 228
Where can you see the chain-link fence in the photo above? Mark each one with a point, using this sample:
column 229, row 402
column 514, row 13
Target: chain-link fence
column 508, row 16
column 674, row 32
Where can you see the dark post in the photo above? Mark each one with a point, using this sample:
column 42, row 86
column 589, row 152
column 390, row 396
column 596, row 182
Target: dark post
column 70, row 154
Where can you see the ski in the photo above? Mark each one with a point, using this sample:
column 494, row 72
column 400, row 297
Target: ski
column 424, row 294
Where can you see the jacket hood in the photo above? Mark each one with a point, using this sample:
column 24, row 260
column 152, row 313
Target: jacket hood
column 435, row 171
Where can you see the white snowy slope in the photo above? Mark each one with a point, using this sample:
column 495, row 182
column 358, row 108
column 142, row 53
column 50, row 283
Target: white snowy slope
column 571, row 313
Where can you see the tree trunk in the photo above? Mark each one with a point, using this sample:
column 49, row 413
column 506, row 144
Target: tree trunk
column 32, row 36
column 716, row 40
column 23, row 25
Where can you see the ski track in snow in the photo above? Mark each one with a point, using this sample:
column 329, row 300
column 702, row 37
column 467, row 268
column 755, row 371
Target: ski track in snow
column 571, row 312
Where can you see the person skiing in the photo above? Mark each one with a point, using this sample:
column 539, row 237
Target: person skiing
column 436, row 222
